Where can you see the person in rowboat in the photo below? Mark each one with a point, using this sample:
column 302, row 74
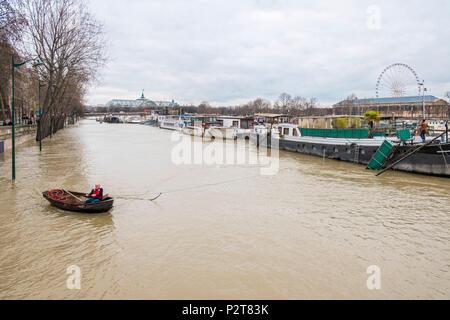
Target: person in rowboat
column 96, row 194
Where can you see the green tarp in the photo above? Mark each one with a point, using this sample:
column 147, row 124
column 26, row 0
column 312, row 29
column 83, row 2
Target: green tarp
column 336, row 133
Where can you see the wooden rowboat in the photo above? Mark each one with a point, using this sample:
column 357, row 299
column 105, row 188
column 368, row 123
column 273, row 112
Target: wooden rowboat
column 75, row 201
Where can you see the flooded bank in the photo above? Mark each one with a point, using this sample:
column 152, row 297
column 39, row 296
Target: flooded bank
column 218, row 231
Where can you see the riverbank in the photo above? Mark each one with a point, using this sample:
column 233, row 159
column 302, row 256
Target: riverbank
column 23, row 134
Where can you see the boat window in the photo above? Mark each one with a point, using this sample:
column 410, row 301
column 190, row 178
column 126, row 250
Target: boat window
column 286, row 131
column 235, row 123
column 295, row 132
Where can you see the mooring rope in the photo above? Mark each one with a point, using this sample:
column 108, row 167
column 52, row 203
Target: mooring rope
column 139, row 199
column 197, row 187
column 183, row 189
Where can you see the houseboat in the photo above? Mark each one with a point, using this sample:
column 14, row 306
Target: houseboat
column 271, row 119
column 112, row 119
column 231, row 128
column 199, row 124
column 173, row 123
column 405, row 153
column 152, row 120
column 135, row 120
column 438, row 125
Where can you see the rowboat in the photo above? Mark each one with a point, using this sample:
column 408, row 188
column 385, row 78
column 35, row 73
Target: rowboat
column 75, row 201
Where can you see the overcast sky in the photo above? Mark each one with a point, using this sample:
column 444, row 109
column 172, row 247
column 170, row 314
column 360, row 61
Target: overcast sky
column 230, row 51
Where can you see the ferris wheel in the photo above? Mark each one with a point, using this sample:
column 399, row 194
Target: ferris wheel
column 398, row 80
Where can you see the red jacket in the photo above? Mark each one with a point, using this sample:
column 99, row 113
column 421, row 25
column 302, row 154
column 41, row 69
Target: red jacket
column 96, row 193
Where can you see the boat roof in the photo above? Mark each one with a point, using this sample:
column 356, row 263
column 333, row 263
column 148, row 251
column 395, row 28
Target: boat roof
column 236, row 117
column 287, row 125
column 394, row 100
column 272, row 115
column 331, row 117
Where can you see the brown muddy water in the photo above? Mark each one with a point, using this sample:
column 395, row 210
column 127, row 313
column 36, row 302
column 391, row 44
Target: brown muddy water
column 220, row 231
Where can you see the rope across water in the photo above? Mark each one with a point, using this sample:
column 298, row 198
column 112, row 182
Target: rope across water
column 131, row 197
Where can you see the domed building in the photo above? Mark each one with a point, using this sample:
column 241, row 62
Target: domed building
column 141, row 102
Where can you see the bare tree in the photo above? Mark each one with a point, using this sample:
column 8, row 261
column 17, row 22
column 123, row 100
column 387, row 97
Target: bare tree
column 310, row 105
column 283, row 103
column 258, row 105
column 297, row 105
column 261, row 105
column 12, row 20
column 6, row 50
column 69, row 42
column 204, row 107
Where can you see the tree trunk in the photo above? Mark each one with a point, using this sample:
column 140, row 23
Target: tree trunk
column 3, row 107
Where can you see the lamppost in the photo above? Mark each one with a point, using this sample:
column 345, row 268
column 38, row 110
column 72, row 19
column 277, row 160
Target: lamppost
column 14, row 66
column 424, row 90
column 40, row 113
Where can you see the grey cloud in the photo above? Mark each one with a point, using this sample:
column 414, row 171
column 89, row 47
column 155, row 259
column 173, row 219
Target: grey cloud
column 231, row 51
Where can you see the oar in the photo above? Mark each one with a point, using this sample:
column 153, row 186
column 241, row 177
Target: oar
column 73, row 195
column 155, row 198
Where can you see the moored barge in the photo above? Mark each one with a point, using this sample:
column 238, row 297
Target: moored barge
column 432, row 158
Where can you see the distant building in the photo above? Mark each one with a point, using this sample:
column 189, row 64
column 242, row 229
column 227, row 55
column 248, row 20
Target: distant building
column 141, row 102
column 166, row 104
column 402, row 107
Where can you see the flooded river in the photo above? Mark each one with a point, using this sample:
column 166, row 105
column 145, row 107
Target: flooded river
column 218, row 231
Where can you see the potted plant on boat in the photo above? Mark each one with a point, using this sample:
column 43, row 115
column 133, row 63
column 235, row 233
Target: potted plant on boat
column 372, row 117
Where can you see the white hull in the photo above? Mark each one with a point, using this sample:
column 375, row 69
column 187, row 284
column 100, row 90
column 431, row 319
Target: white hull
column 193, row 131
column 228, row 133
column 171, row 124
column 221, row 133
column 171, row 128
